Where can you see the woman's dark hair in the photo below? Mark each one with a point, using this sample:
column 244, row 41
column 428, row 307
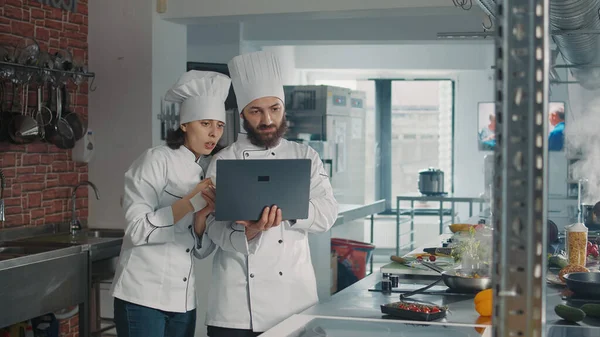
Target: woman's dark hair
column 176, row 139
column 217, row 149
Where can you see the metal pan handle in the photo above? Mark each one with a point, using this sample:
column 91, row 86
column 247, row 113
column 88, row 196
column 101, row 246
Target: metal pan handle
column 432, row 267
column 418, row 291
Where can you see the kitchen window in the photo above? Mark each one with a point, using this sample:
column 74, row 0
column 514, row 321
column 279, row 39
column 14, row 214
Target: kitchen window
column 425, row 138
column 421, row 134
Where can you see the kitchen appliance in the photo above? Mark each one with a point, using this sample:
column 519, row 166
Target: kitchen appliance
column 331, row 120
column 431, row 182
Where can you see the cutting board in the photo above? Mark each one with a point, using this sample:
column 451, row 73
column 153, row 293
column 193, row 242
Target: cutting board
column 416, row 269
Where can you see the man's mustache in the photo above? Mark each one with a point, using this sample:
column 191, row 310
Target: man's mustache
column 266, row 127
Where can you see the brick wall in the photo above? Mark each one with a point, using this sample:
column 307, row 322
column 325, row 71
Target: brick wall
column 40, row 176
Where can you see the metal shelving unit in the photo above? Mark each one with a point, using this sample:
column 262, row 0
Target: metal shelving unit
column 522, row 64
column 404, row 215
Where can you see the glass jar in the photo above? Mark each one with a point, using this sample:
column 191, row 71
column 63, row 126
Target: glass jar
column 576, row 244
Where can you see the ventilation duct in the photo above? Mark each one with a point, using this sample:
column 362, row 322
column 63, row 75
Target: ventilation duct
column 576, row 49
column 488, row 6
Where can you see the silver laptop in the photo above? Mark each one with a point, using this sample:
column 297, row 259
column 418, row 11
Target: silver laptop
column 246, row 187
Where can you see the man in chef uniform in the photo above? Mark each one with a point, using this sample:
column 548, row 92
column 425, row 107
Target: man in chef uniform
column 262, row 271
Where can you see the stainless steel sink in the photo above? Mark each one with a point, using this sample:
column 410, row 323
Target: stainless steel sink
column 28, row 248
column 39, row 277
column 105, row 233
column 11, row 250
column 60, row 270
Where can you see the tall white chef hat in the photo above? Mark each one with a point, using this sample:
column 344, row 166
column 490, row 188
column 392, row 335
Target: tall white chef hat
column 255, row 75
column 202, row 95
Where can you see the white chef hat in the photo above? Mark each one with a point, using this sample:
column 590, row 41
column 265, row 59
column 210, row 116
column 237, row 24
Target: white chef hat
column 255, row 75
column 202, row 95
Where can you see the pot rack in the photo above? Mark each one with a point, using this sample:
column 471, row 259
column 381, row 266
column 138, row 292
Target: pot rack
column 37, row 69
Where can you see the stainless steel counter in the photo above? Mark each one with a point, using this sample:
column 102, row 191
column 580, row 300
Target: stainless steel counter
column 357, row 301
column 36, row 284
column 44, row 269
column 350, row 212
column 102, row 243
column 320, row 244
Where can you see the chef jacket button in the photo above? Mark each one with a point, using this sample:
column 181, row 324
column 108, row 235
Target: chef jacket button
column 246, row 154
column 187, row 250
column 280, row 273
column 251, row 275
column 201, row 177
column 190, row 226
column 185, row 279
column 280, row 241
column 272, row 153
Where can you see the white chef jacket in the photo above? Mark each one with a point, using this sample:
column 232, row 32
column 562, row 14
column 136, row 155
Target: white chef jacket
column 156, row 267
column 257, row 284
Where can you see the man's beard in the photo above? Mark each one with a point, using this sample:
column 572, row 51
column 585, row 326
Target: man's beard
column 265, row 140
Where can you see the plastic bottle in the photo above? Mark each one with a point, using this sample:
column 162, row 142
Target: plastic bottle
column 576, row 244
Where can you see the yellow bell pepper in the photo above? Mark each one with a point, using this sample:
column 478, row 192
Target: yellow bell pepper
column 483, row 320
column 484, row 302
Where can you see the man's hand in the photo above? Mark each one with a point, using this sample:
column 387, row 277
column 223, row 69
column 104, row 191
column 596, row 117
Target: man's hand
column 271, row 217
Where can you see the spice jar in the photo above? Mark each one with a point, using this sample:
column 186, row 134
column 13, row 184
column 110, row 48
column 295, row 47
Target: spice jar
column 576, row 244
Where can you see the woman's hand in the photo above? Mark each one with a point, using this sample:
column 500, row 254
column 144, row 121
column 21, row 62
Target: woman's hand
column 204, row 184
column 209, row 195
column 196, row 198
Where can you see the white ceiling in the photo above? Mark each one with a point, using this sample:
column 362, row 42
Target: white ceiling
column 206, row 12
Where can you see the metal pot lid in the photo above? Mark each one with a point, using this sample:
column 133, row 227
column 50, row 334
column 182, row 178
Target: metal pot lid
column 430, row 170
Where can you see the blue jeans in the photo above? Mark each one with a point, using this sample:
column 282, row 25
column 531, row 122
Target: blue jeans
column 134, row 320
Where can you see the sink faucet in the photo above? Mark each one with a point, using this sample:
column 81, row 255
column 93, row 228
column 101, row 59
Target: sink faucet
column 2, row 186
column 75, row 224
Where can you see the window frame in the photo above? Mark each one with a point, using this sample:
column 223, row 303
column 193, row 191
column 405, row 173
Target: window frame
column 384, row 174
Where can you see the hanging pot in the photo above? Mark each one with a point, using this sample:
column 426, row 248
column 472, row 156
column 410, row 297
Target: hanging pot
column 60, row 132
column 72, row 118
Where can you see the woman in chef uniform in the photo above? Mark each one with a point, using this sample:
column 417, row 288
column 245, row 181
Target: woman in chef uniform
column 154, row 285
